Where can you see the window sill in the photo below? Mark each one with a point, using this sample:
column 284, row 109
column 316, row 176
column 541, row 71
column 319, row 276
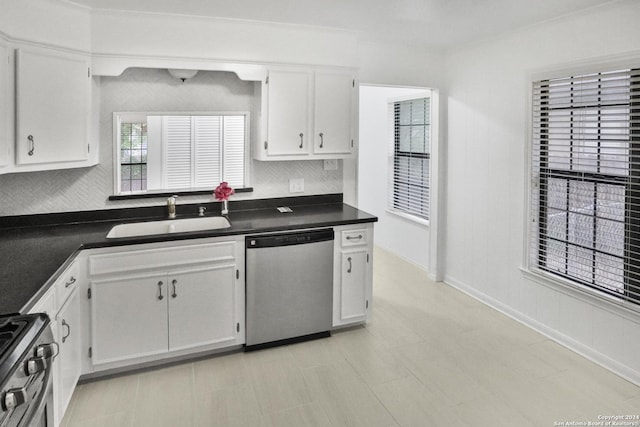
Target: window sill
column 590, row 296
column 406, row 216
column 156, row 194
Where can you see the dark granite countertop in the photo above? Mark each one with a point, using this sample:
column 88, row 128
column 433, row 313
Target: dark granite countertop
column 35, row 249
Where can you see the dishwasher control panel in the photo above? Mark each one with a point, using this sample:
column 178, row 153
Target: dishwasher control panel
column 287, row 239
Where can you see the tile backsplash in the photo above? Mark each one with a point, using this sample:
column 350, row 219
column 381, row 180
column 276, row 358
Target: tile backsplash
column 155, row 90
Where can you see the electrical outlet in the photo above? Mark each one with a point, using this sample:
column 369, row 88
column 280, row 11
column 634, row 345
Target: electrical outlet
column 296, row 185
column 330, row 165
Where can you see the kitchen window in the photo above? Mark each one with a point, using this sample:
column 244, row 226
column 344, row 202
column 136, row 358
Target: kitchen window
column 180, row 152
column 411, row 156
column 133, row 156
column 586, row 181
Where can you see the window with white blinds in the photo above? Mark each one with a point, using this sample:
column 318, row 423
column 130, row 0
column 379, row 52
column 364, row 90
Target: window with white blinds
column 158, row 152
column 411, row 141
column 586, row 181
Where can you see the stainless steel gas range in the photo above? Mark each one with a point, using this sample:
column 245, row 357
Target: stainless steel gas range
column 27, row 351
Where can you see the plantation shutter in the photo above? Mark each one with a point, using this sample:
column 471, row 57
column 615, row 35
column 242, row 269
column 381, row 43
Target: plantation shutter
column 234, row 136
column 202, row 151
column 178, row 151
column 586, row 180
column 208, row 146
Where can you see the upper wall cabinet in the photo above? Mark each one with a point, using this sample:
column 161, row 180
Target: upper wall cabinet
column 53, row 107
column 4, row 106
column 307, row 115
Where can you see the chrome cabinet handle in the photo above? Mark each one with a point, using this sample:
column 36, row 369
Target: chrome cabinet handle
column 174, row 282
column 350, row 265
column 32, row 145
column 358, row 237
column 321, row 139
column 301, row 139
column 70, row 282
column 160, row 290
column 64, row 323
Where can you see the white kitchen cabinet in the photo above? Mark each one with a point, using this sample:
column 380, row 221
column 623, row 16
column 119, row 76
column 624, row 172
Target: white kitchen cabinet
column 202, row 307
column 288, row 114
column 333, row 113
column 5, row 103
column 61, row 302
column 353, row 276
column 129, row 317
column 68, row 363
column 155, row 301
column 53, row 105
column 310, row 115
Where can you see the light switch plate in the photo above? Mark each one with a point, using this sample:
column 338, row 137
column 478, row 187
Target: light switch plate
column 296, row 185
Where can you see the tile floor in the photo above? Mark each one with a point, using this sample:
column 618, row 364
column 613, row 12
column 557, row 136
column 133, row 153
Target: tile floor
column 431, row 356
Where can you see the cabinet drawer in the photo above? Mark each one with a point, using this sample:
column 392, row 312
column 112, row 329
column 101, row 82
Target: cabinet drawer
column 161, row 258
column 354, row 237
column 66, row 283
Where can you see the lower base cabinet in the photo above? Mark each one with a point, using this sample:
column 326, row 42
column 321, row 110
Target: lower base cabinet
column 353, row 274
column 194, row 304
column 68, row 364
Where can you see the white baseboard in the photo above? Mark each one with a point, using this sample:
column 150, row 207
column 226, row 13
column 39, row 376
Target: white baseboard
column 603, row 360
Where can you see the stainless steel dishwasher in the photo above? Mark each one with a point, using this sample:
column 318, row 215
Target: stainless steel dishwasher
column 289, row 287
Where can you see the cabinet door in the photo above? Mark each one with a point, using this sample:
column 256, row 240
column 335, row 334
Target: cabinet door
column 52, row 107
column 202, row 307
column 4, row 106
column 288, row 113
column 68, row 361
column 129, row 317
column 353, row 286
column 333, row 111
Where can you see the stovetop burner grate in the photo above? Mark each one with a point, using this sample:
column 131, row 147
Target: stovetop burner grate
column 10, row 329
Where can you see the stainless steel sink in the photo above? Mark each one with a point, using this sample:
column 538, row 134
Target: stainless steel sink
column 168, row 226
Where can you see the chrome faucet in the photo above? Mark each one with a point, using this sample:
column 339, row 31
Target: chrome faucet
column 201, row 210
column 171, row 206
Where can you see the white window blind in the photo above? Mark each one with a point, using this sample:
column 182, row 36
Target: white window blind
column 202, row 151
column 411, row 142
column 586, row 181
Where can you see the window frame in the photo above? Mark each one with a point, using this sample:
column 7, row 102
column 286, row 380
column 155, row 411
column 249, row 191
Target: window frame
column 128, row 119
column 393, row 151
column 142, row 116
column 533, row 268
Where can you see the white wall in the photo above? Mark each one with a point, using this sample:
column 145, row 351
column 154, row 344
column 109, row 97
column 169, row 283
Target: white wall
column 404, row 237
column 48, row 21
column 488, row 92
column 147, row 34
column 393, row 65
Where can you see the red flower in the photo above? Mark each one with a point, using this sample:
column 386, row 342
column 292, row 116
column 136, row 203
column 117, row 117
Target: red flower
column 223, row 191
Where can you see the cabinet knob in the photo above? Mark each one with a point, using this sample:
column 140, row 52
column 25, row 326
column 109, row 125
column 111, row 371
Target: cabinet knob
column 32, row 145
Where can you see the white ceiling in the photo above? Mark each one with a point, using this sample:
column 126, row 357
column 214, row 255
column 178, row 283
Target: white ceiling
column 434, row 23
